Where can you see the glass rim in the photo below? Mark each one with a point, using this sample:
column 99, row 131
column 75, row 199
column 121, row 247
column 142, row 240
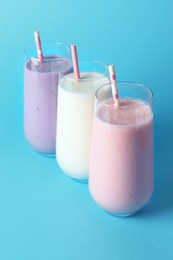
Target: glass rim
column 94, row 61
column 53, row 43
column 126, row 82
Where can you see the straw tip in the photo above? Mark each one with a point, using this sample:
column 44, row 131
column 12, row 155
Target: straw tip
column 111, row 66
column 36, row 32
column 73, row 46
column 111, row 69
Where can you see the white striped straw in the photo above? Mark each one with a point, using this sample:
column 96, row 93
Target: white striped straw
column 114, row 85
column 38, row 45
column 75, row 62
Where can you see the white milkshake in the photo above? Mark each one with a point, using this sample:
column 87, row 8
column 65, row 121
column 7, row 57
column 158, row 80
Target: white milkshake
column 74, row 122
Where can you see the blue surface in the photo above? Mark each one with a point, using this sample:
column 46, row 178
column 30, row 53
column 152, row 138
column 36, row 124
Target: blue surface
column 43, row 213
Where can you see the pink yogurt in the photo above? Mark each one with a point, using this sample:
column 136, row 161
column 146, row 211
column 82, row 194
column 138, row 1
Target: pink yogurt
column 121, row 163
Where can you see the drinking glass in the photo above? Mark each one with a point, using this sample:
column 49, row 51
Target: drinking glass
column 121, row 161
column 75, row 117
column 40, row 94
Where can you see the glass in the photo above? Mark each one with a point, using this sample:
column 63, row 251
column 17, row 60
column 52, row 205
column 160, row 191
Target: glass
column 40, row 94
column 121, row 162
column 75, row 117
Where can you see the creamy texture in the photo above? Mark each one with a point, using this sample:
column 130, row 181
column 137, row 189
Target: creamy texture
column 40, row 102
column 74, row 123
column 121, row 163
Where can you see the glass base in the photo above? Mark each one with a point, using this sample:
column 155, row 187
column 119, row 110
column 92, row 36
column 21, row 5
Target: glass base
column 47, row 155
column 83, row 181
column 121, row 215
column 72, row 176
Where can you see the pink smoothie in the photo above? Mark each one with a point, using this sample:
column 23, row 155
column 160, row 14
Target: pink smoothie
column 121, row 165
column 40, row 102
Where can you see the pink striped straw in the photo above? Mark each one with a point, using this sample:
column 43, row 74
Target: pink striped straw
column 114, row 85
column 38, row 45
column 75, row 61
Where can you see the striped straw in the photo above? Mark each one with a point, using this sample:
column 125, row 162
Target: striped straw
column 38, row 45
column 75, row 61
column 114, row 85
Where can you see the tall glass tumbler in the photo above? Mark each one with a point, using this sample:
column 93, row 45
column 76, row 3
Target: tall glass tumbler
column 121, row 161
column 40, row 94
column 75, row 117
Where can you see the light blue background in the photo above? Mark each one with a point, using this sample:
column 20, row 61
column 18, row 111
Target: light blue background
column 43, row 213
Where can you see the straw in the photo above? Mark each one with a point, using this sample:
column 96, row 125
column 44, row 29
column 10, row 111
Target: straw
column 114, row 85
column 75, row 61
column 38, row 45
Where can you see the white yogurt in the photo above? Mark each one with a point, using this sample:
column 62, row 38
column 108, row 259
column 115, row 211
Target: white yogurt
column 74, row 122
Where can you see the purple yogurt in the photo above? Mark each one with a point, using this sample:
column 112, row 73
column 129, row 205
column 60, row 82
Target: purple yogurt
column 40, row 101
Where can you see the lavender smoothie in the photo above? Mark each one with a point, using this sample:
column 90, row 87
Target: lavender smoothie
column 40, row 101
